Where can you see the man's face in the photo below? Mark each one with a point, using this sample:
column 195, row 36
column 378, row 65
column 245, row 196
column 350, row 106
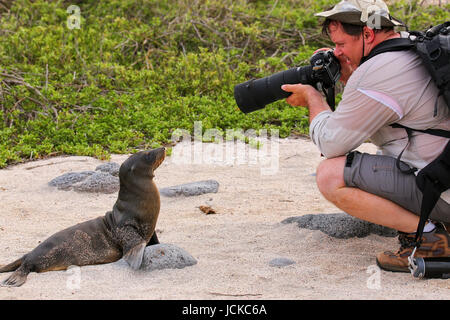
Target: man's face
column 348, row 48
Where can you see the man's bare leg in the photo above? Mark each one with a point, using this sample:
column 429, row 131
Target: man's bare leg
column 361, row 204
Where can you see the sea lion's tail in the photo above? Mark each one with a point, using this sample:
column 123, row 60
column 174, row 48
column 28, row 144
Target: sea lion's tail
column 12, row 266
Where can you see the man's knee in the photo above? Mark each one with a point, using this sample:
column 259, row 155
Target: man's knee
column 330, row 176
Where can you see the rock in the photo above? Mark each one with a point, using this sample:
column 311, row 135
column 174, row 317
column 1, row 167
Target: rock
column 67, row 180
column 191, row 189
column 99, row 182
column 109, row 167
column 281, row 262
column 340, row 225
column 105, row 179
column 166, row 256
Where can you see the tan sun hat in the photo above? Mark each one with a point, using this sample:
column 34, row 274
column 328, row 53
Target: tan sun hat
column 374, row 13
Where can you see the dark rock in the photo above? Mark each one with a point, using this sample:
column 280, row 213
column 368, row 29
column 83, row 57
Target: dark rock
column 99, row 182
column 191, row 189
column 67, row 180
column 280, row 262
column 340, row 225
column 109, row 167
column 87, row 181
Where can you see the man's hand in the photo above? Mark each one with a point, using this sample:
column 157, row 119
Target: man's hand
column 300, row 94
column 305, row 95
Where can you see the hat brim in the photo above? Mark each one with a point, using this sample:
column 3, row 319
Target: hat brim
column 354, row 17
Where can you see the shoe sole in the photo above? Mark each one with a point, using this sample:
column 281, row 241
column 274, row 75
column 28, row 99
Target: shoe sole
column 393, row 268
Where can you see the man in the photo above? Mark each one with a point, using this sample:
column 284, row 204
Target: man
column 392, row 87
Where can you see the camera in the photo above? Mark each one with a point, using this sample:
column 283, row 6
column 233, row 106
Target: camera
column 322, row 73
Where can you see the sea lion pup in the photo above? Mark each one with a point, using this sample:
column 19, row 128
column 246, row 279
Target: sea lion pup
column 123, row 232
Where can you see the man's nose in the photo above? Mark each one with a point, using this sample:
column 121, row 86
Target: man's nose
column 337, row 52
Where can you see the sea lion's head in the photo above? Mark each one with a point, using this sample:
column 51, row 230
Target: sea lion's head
column 138, row 194
column 138, row 169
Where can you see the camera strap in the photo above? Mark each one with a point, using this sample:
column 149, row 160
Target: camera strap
column 329, row 94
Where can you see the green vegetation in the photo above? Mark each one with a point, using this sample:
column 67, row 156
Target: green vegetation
column 137, row 70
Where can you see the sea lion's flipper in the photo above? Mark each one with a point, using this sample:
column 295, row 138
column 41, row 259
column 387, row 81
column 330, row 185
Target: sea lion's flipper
column 153, row 240
column 17, row 279
column 134, row 256
column 12, row 266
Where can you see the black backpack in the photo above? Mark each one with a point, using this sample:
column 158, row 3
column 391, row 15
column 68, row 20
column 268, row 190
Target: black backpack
column 433, row 46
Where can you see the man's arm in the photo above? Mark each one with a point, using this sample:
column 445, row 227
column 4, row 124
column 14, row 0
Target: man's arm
column 336, row 133
column 307, row 96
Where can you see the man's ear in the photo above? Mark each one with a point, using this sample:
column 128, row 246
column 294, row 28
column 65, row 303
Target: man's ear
column 368, row 34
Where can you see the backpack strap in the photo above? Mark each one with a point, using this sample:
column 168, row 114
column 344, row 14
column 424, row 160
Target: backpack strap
column 432, row 181
column 434, row 132
column 396, row 44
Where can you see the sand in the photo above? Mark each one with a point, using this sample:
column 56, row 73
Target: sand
column 232, row 247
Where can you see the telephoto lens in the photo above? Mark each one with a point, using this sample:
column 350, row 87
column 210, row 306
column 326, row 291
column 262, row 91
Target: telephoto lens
column 431, row 268
column 323, row 72
column 255, row 94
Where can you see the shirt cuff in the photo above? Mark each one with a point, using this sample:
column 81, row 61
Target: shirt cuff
column 322, row 116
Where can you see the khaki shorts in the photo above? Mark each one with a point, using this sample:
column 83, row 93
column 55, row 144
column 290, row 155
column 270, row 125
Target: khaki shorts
column 379, row 175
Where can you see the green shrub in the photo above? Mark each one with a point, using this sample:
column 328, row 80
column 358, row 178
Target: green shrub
column 137, row 70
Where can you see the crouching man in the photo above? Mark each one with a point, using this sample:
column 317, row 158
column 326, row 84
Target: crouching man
column 391, row 87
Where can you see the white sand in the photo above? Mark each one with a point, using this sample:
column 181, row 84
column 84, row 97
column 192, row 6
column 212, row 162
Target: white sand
column 233, row 247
